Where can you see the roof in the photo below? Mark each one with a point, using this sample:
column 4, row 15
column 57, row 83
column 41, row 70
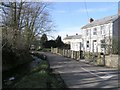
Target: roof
column 104, row 20
column 73, row 37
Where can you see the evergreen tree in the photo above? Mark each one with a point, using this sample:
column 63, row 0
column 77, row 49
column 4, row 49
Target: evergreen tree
column 43, row 40
column 59, row 42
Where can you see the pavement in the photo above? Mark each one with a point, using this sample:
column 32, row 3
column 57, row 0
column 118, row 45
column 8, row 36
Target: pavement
column 77, row 74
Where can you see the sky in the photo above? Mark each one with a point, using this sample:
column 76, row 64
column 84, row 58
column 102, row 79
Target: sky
column 69, row 17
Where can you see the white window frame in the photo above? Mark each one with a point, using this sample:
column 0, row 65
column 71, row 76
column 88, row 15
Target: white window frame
column 87, row 44
column 95, row 31
column 102, row 29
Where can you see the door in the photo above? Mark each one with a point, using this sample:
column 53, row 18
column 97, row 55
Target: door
column 94, row 46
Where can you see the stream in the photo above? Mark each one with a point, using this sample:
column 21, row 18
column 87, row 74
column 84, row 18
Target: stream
column 9, row 78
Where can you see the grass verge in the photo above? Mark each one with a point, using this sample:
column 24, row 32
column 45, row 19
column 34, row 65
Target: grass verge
column 40, row 77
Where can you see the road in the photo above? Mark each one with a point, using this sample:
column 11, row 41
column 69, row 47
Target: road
column 77, row 74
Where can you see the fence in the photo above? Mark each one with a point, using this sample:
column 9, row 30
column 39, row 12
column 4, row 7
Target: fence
column 109, row 60
column 68, row 53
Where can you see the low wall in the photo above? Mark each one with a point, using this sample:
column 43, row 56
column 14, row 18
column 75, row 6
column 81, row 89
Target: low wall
column 111, row 61
column 107, row 60
column 67, row 53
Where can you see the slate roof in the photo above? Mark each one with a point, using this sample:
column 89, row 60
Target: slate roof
column 73, row 37
column 104, row 20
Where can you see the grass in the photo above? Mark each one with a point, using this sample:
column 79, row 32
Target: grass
column 40, row 77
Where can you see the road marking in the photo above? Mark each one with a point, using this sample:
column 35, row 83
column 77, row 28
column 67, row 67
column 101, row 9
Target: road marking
column 105, row 77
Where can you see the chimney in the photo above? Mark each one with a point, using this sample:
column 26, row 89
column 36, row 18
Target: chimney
column 66, row 35
column 91, row 20
column 76, row 33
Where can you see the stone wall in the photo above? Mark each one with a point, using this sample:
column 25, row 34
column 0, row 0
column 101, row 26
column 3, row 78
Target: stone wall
column 107, row 60
column 67, row 53
column 111, row 60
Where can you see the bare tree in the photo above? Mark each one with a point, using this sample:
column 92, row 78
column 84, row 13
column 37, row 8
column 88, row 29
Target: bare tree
column 25, row 21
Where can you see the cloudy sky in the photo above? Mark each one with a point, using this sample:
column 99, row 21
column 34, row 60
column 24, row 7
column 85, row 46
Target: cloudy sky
column 69, row 17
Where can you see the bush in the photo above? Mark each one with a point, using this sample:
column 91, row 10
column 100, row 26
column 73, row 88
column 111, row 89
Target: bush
column 14, row 57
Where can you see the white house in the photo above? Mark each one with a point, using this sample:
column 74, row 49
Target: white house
column 99, row 33
column 75, row 42
column 67, row 39
column 96, row 36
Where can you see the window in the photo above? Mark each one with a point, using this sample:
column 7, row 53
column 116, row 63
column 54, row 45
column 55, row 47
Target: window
column 87, row 33
column 103, row 43
column 81, row 45
column 95, row 31
column 87, row 44
column 102, row 29
column 94, row 40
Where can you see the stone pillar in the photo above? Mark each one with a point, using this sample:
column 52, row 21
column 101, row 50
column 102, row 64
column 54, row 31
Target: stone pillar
column 68, row 53
column 63, row 52
column 78, row 55
column 51, row 49
column 75, row 55
column 71, row 54
column 60, row 51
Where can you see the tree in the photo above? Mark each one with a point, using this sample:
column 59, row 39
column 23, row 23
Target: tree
column 59, row 42
column 23, row 21
column 43, row 40
column 49, row 44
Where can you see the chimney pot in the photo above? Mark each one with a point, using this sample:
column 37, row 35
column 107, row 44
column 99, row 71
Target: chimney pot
column 91, row 20
column 76, row 33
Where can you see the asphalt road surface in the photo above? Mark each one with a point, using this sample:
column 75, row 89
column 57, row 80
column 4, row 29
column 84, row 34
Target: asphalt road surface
column 77, row 74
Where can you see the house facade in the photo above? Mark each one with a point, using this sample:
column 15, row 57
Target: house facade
column 98, row 34
column 67, row 39
column 75, row 42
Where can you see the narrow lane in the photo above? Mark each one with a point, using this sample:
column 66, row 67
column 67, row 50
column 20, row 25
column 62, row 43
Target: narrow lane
column 77, row 74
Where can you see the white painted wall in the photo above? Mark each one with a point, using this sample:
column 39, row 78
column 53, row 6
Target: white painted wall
column 75, row 44
column 106, row 33
column 67, row 41
column 90, row 37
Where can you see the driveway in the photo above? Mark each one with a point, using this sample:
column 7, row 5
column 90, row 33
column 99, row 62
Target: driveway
column 77, row 74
